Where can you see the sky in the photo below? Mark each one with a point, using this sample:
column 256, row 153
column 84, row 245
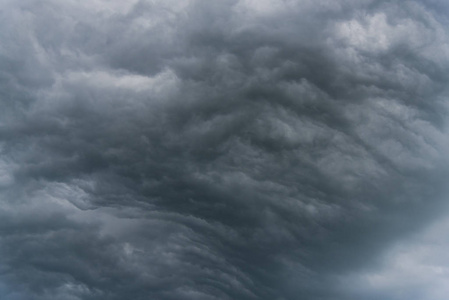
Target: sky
column 224, row 150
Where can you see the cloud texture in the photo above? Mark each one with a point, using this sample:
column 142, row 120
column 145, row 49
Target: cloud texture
column 223, row 149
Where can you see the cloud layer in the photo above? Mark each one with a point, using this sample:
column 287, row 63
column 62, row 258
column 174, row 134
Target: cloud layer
column 223, row 149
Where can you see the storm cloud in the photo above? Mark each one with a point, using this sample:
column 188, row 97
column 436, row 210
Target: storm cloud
column 230, row 149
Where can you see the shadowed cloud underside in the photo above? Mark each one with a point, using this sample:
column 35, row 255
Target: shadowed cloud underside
column 238, row 149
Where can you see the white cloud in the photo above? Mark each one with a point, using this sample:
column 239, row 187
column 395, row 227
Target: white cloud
column 415, row 268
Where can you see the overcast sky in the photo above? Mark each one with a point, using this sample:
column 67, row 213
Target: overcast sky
column 224, row 150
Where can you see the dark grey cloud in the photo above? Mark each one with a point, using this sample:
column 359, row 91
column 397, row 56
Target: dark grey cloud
column 223, row 149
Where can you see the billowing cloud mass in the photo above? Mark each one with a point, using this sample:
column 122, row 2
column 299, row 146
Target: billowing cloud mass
column 229, row 149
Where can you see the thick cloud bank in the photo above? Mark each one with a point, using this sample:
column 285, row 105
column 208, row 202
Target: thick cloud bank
column 230, row 149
